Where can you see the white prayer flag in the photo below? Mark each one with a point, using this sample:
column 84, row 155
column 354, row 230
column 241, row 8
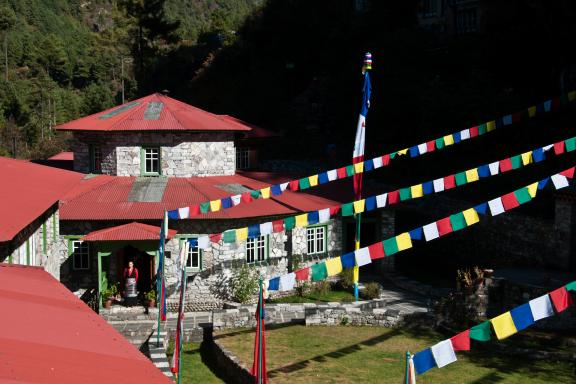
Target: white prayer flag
column 431, row 231
column 287, row 282
column 236, row 199
column 332, row 175
column 204, row 242
column 266, row 228
column 541, row 307
column 496, row 206
column 381, row 200
column 439, row 185
column 465, row 134
column 362, row 256
column 184, row 213
column 443, row 353
column 560, row 181
column 494, row 168
column 324, row 215
column 283, row 186
column 422, row 148
column 377, row 162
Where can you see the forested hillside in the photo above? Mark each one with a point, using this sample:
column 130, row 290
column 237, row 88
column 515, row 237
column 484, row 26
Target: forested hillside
column 63, row 58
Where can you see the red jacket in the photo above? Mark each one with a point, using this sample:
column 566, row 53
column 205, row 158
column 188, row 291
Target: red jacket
column 134, row 273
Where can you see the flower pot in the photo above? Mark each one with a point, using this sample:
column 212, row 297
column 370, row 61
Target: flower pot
column 151, row 303
column 108, row 303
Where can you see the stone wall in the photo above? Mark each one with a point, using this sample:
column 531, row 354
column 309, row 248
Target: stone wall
column 27, row 247
column 185, row 154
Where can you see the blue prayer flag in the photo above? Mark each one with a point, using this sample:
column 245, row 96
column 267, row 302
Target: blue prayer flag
column 193, row 243
column 370, row 203
column 416, row 234
column 522, row 316
column 457, row 137
column 414, row 151
column 173, row 215
column 547, row 105
column 253, row 231
column 348, row 260
column 538, row 155
column 323, row 178
column 428, row 187
column 542, row 183
column 424, row 361
column 368, row 165
column 483, row 171
column 507, row 120
column 540, row 108
column 274, row 284
column 313, row 217
column 227, row 202
column 276, row 190
column 481, row 208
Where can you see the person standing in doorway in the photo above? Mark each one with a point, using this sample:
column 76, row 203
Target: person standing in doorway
column 130, row 281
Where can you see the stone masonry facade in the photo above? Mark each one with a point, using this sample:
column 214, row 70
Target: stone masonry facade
column 185, row 154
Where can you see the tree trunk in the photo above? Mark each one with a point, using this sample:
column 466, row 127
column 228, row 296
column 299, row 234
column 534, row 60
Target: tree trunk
column 6, row 54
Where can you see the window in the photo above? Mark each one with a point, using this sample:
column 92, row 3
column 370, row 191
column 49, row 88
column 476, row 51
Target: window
column 194, row 258
column 151, row 161
column 256, row 249
column 466, row 21
column 316, row 239
column 429, row 8
column 95, row 159
column 242, row 158
column 80, row 255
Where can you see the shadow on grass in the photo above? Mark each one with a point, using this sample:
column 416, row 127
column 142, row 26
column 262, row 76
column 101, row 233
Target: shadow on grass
column 269, row 327
column 334, row 354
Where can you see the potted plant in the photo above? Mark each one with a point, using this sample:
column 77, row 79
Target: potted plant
column 151, row 297
column 107, row 297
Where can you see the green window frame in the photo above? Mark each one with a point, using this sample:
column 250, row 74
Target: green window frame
column 44, row 238
column 148, row 156
column 54, row 229
column 192, row 251
column 257, row 249
column 95, row 154
column 80, row 261
column 316, row 239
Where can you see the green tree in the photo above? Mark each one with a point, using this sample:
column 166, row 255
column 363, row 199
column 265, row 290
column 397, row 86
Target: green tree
column 54, row 59
column 7, row 21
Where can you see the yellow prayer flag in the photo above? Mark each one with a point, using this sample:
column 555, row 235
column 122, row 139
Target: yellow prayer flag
column 490, row 126
column 416, row 191
column 359, row 167
column 313, row 180
column 359, row 206
column 265, row 192
column 448, row 140
column 471, row 216
column 472, row 175
column 403, row 241
column 503, row 326
column 241, row 234
column 215, row 205
column 302, row 220
column 532, row 189
column 527, row 158
column 572, row 95
column 532, row 111
column 403, row 151
column 334, row 266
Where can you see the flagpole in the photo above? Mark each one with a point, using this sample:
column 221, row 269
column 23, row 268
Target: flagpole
column 181, row 330
column 160, row 274
column 359, row 156
column 407, row 368
column 260, row 332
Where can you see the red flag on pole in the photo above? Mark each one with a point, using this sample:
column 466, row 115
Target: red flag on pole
column 259, row 365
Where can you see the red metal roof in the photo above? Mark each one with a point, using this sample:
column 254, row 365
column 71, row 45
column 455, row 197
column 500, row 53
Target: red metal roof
column 131, row 231
column 106, row 198
column 50, row 336
column 69, row 156
column 155, row 112
column 28, row 190
column 255, row 133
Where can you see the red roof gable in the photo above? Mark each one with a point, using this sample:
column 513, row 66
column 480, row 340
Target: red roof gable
column 68, row 156
column 131, row 231
column 50, row 336
column 28, row 190
column 155, row 112
column 106, row 198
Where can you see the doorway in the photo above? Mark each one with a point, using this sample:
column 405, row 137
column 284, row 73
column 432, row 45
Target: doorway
column 143, row 262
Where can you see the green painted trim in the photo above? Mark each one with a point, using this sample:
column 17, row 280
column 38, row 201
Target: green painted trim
column 54, row 234
column 28, row 251
column 266, row 252
column 325, row 226
column 44, row 239
column 143, row 161
column 92, row 158
column 183, row 237
column 10, row 259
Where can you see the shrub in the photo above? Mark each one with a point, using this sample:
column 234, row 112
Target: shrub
column 346, row 279
column 244, row 283
column 371, row 291
column 322, row 288
column 302, row 288
column 344, row 320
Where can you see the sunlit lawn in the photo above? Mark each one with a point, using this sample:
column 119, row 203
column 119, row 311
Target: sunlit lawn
column 315, row 297
column 299, row 354
column 193, row 369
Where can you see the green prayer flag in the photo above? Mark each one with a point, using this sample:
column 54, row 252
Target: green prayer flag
column 350, row 170
column 319, row 272
column 458, row 221
column 482, row 129
column 571, row 286
column 229, row 236
column 205, row 207
column 522, row 195
column 255, row 194
column 289, row 222
column 405, row 194
column 440, row 143
column 393, row 155
column 304, row 183
column 460, row 178
column 570, row 144
column 481, row 332
column 516, row 161
column 390, row 246
column 347, row 209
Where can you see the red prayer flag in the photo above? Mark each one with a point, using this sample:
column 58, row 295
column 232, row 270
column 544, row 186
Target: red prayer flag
column 555, row 103
column 569, row 173
column 302, row 274
column 444, row 226
column 516, row 117
column 278, row 226
column 509, row 201
column 561, row 299
column 194, row 210
column 294, row 185
column 449, row 182
column 559, row 147
column 474, row 131
column 461, row 342
column 386, row 160
column 505, row 165
column 431, row 145
column 260, row 354
column 334, row 210
column 393, row 197
column 341, row 172
column 246, row 197
column 216, row 237
column 376, row 251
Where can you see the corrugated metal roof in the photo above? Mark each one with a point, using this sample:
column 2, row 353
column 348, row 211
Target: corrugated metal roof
column 155, row 112
column 106, row 198
column 68, row 156
column 28, row 190
column 131, row 231
column 50, row 336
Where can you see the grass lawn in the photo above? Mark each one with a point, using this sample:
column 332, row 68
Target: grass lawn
column 299, row 354
column 193, row 369
column 315, row 297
